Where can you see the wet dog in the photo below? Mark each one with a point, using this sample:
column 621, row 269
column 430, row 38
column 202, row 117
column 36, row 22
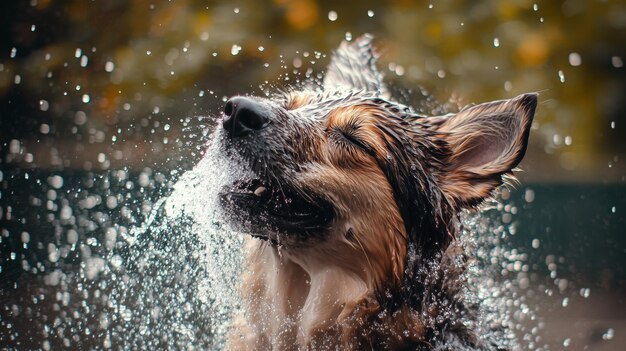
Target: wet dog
column 354, row 209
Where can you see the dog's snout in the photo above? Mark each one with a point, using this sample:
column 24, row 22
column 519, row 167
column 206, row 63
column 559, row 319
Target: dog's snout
column 244, row 115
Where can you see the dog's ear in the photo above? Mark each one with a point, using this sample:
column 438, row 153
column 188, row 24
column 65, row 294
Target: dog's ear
column 353, row 66
column 486, row 142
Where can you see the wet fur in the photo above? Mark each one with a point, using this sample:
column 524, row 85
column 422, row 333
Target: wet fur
column 386, row 272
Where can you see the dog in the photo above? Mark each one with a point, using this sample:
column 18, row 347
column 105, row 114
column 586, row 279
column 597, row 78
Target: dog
column 353, row 211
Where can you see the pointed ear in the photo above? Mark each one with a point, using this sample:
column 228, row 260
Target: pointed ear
column 486, row 142
column 353, row 66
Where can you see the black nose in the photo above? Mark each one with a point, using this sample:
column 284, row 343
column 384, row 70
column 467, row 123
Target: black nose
column 243, row 115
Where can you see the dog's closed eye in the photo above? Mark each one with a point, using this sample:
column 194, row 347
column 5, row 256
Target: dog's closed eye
column 353, row 140
column 346, row 135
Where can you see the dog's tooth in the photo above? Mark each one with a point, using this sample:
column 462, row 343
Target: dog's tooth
column 259, row 191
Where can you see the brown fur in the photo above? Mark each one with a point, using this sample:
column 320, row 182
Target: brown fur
column 379, row 267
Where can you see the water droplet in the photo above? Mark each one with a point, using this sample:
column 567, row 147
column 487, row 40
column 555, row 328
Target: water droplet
column 585, row 292
column 617, row 62
column 610, row 333
column 33, row 28
column 496, row 42
column 80, row 118
column 109, row 66
column 13, row 52
column 297, row 62
column 529, row 195
column 567, row 342
column 348, row 36
column 17, row 79
column 236, row 10
column 535, row 243
column 332, row 16
column 235, row 49
column 561, row 76
column 613, row 209
column 370, row 13
column 612, row 124
column 78, row 53
column 260, row 48
column 535, row 7
column 86, row 98
column 575, row 59
column 15, row 146
column 56, row 181
column 43, row 105
column 53, row 252
column 508, row 86
column 568, row 140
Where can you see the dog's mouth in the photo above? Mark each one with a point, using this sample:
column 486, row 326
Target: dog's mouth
column 265, row 208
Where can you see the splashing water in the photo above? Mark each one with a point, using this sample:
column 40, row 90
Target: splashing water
column 167, row 284
column 171, row 282
column 484, row 239
column 183, row 266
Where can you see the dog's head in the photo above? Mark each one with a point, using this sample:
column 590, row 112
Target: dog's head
column 343, row 167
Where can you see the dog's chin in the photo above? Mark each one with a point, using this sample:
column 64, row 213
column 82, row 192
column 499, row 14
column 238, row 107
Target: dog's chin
column 275, row 212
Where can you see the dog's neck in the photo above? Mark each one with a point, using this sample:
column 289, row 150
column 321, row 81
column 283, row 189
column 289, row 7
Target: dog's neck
column 332, row 286
column 308, row 294
column 319, row 294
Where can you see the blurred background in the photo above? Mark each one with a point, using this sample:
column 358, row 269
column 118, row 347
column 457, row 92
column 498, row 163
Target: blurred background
column 91, row 89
